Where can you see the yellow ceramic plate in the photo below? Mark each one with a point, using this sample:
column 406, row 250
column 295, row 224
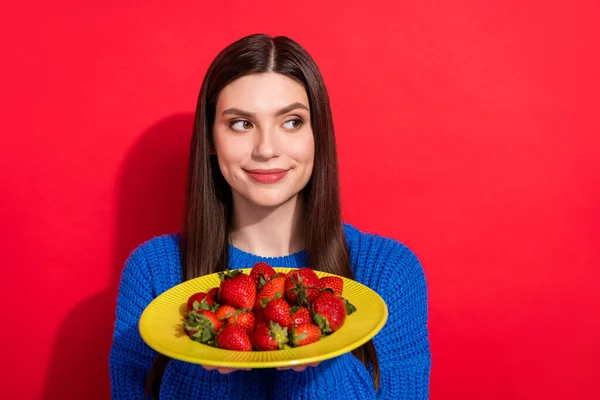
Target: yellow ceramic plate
column 161, row 327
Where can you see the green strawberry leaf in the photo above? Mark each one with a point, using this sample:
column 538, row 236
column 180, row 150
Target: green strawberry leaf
column 294, row 280
column 261, row 281
column 302, row 298
column 349, row 307
column 228, row 274
column 322, row 323
column 202, row 305
column 292, row 333
column 207, row 334
column 279, row 334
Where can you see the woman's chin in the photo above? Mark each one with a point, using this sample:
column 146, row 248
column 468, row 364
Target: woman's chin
column 269, row 200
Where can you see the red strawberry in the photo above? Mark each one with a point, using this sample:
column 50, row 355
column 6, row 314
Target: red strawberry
column 259, row 315
column 334, row 283
column 278, row 311
column 237, row 289
column 200, row 301
column 244, row 318
column 261, row 273
column 202, row 325
column 260, row 323
column 329, row 312
column 214, row 292
column 225, row 311
column 269, row 337
column 304, row 334
column 302, row 286
column 234, row 337
column 299, row 316
column 274, row 289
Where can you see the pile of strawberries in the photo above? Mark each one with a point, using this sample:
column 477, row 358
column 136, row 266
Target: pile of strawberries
column 266, row 309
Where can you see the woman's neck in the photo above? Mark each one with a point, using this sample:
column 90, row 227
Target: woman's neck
column 268, row 232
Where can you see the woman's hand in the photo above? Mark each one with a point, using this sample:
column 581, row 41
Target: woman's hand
column 224, row 370
column 297, row 368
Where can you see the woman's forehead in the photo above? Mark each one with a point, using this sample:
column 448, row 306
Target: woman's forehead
column 262, row 93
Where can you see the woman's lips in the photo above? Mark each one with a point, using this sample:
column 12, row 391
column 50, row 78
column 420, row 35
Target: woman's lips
column 267, row 175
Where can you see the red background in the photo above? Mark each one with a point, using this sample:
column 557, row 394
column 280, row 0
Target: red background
column 467, row 130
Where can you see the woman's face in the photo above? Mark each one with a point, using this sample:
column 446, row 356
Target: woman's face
column 263, row 138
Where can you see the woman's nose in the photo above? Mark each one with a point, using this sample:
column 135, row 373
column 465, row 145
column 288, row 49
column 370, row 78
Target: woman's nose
column 267, row 145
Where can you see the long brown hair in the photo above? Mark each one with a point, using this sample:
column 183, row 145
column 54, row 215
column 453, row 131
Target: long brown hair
column 208, row 208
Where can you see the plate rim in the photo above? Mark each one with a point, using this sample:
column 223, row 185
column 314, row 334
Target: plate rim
column 262, row 364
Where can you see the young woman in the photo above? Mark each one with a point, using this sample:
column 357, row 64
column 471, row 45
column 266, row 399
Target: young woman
column 263, row 186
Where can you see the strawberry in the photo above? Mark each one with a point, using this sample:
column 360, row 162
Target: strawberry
column 214, row 292
column 234, row 337
column 225, row 311
column 329, row 312
column 260, row 323
column 304, row 334
column 244, row 318
column 237, row 289
column 274, row 289
column 302, row 286
column 202, row 325
column 278, row 311
column 333, row 283
column 261, row 273
column 269, row 337
column 259, row 315
column 200, row 301
column 299, row 316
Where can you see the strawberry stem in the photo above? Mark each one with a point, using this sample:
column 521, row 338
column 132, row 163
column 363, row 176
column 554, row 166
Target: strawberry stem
column 322, row 323
column 228, row 274
column 199, row 327
column 279, row 334
column 349, row 307
column 261, row 281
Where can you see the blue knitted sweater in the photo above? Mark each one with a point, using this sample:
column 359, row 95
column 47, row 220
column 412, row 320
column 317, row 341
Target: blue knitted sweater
column 383, row 264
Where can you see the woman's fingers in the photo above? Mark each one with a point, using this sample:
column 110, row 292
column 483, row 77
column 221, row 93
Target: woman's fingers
column 224, row 370
column 299, row 368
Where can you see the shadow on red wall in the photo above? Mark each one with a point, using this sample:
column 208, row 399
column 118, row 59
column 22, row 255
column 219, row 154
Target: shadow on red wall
column 150, row 194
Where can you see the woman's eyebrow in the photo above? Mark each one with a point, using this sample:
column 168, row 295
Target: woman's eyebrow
column 284, row 110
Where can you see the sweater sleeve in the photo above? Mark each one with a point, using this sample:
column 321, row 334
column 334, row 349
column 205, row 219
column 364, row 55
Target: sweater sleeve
column 403, row 344
column 342, row 377
column 130, row 358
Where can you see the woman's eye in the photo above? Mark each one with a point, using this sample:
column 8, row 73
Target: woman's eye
column 240, row 125
column 293, row 124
